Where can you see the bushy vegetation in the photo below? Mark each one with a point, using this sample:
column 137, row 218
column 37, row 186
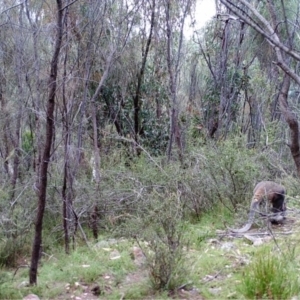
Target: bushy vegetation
column 159, row 230
column 179, row 129
column 168, row 210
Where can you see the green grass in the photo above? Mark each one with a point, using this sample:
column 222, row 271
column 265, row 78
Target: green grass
column 84, row 266
column 269, row 276
column 240, row 271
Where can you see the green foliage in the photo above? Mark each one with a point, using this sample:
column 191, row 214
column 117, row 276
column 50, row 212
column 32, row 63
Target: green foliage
column 27, row 142
column 4, row 196
column 7, row 291
column 227, row 172
column 155, row 133
column 269, row 276
column 220, row 173
column 15, row 222
column 82, row 268
column 14, row 234
column 140, row 291
column 291, row 184
column 12, row 249
column 118, row 110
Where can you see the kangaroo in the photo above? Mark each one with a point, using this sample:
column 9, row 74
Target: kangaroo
column 269, row 191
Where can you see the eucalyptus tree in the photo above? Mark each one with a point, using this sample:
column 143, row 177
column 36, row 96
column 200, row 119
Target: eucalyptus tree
column 223, row 48
column 175, row 17
column 15, row 57
column 278, row 27
column 140, row 76
column 37, row 241
column 18, row 143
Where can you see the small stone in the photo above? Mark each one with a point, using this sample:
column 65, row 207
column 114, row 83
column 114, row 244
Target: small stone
column 115, row 254
column 227, row 246
column 138, row 256
column 258, row 242
column 31, row 297
column 23, row 284
column 215, row 291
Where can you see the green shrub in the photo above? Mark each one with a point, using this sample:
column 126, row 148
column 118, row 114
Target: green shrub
column 159, row 231
column 7, row 291
column 226, row 173
column 12, row 249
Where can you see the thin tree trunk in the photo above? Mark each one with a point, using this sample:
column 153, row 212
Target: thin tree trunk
column 67, row 202
column 37, row 241
column 136, row 100
column 5, row 152
column 16, row 137
column 173, row 114
column 94, row 120
column 36, row 96
column 289, row 117
column 283, row 54
column 173, row 69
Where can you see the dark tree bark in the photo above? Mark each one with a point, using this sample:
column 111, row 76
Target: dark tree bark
column 136, row 100
column 37, row 241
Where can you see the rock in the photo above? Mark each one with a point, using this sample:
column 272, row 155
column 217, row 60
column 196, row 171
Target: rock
column 115, row 254
column 138, row 256
column 258, row 242
column 23, row 284
column 227, row 246
column 106, row 243
column 215, row 291
column 31, row 297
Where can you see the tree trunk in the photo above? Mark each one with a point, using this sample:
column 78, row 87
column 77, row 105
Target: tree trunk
column 173, row 65
column 136, row 100
column 37, row 95
column 283, row 55
column 291, row 120
column 37, row 241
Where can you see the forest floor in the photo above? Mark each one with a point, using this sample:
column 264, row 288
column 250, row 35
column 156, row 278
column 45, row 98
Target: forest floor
column 116, row 268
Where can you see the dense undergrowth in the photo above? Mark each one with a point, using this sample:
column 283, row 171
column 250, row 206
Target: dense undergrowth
column 169, row 211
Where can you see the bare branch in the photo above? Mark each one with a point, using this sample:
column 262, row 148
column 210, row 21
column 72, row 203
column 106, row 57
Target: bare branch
column 69, row 4
column 268, row 33
column 11, row 7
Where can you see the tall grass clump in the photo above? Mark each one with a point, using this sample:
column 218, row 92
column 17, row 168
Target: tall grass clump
column 270, row 276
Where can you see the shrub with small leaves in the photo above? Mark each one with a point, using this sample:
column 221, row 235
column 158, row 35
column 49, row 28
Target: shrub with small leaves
column 159, row 232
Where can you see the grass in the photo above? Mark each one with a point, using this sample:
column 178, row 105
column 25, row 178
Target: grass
column 270, row 276
column 219, row 269
column 81, row 267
